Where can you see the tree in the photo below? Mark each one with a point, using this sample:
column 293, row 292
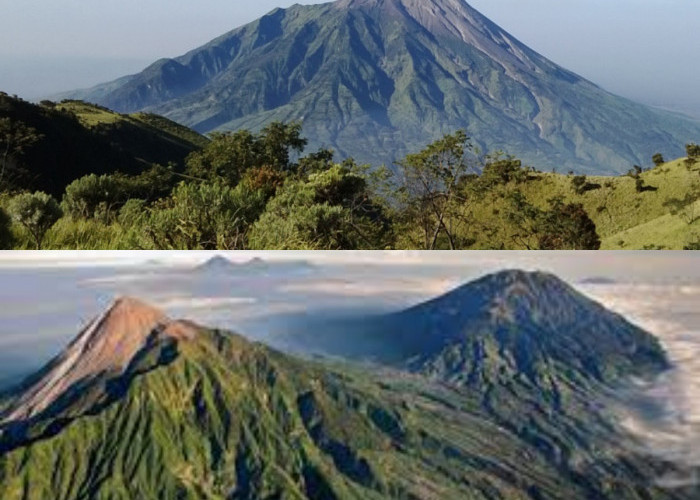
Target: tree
column 578, row 183
column 332, row 210
column 502, row 169
column 692, row 151
column 567, row 226
column 562, row 226
column 230, row 154
column 15, row 138
column 429, row 192
column 5, row 232
column 658, row 159
column 275, row 143
column 37, row 212
column 225, row 157
column 686, row 207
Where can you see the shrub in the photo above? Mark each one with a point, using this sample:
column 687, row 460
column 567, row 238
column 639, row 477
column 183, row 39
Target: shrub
column 204, row 216
column 36, row 212
column 332, row 210
column 94, row 196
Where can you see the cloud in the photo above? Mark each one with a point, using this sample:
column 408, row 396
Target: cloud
column 339, row 287
column 203, row 302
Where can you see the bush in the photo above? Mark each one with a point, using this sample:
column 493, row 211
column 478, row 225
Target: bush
column 94, row 196
column 36, row 212
column 332, row 210
column 204, row 216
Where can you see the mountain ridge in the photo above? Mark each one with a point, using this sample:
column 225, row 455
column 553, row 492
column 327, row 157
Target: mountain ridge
column 376, row 80
column 221, row 417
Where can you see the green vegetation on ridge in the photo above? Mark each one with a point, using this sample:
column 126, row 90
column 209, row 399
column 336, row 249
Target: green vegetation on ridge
column 218, row 417
column 245, row 190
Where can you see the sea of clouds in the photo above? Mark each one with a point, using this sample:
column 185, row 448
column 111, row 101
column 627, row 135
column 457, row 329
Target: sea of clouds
column 666, row 418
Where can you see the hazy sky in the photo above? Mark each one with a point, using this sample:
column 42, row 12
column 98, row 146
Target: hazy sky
column 638, row 48
column 627, row 266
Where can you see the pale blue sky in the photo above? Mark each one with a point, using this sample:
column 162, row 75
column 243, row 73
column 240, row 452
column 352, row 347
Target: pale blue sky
column 638, row 48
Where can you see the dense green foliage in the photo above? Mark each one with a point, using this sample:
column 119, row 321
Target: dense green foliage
column 5, row 233
column 36, row 212
column 46, row 147
column 332, row 209
column 230, row 155
column 218, row 417
column 262, row 190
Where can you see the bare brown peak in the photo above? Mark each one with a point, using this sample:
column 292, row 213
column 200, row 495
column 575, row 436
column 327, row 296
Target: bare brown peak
column 451, row 18
column 107, row 345
column 132, row 320
column 132, row 306
column 437, row 7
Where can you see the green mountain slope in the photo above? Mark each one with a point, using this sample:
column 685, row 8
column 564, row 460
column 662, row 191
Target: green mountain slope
column 624, row 218
column 179, row 411
column 79, row 139
column 376, row 79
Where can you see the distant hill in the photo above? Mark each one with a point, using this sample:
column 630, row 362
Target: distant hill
column 141, row 406
column 79, row 139
column 376, row 79
column 254, row 267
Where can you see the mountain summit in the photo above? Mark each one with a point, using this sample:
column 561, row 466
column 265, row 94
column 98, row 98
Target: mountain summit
column 105, row 348
column 376, row 79
column 509, row 326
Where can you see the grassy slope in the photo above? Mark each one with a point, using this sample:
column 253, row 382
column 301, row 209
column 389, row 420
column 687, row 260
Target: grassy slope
column 632, row 220
column 77, row 139
column 92, row 116
column 228, row 419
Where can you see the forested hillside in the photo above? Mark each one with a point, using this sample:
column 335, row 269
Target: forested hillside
column 141, row 181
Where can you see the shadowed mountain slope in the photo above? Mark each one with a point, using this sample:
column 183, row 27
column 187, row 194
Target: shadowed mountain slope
column 376, row 79
column 78, row 139
column 508, row 325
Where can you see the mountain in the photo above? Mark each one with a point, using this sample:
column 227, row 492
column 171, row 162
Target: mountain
column 78, row 139
column 376, row 79
column 141, row 406
column 224, row 267
column 529, row 327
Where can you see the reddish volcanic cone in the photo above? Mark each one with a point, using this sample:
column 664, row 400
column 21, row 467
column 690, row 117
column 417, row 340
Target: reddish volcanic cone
column 106, row 346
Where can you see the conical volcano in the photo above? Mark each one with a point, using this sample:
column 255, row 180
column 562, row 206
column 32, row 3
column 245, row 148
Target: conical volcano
column 375, row 79
column 511, row 326
column 105, row 348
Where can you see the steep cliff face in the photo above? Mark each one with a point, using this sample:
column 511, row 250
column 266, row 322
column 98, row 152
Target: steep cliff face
column 376, row 79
